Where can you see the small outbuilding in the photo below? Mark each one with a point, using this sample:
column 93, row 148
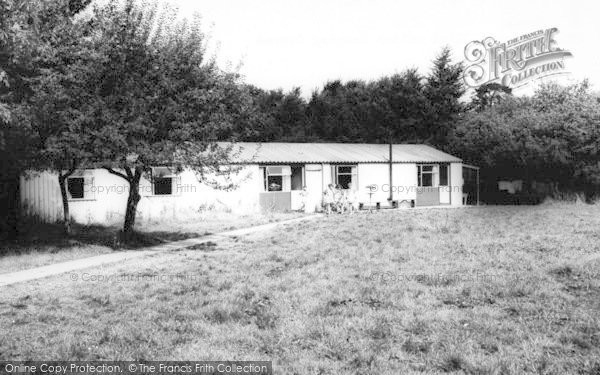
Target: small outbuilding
column 271, row 177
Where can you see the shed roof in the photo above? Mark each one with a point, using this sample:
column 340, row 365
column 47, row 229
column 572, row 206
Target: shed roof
column 277, row 152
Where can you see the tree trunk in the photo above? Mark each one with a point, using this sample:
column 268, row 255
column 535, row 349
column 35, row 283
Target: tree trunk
column 132, row 202
column 133, row 178
column 65, row 204
column 62, row 179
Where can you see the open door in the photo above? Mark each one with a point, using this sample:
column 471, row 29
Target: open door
column 470, row 187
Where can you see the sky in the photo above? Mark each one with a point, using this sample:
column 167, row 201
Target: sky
column 305, row 43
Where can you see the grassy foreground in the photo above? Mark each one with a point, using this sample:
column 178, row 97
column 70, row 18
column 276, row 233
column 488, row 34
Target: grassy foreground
column 42, row 244
column 490, row 290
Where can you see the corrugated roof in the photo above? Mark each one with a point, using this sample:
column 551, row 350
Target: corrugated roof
column 277, row 152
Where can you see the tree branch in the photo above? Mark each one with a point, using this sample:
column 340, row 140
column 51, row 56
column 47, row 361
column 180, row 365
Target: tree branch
column 67, row 174
column 112, row 171
column 128, row 172
column 70, row 171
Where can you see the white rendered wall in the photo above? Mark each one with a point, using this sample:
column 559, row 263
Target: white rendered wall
column 106, row 199
column 456, row 183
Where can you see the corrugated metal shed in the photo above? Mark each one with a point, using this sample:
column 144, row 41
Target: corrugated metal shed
column 276, row 152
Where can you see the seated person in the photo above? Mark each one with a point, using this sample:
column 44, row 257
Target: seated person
column 338, row 198
column 303, row 199
column 351, row 198
column 328, row 198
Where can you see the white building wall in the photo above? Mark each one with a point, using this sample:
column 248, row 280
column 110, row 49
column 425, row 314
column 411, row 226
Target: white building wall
column 327, row 176
column 40, row 193
column 40, row 196
column 106, row 198
column 456, row 184
column 376, row 175
column 404, row 180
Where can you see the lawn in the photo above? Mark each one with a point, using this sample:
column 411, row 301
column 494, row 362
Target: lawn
column 42, row 244
column 488, row 290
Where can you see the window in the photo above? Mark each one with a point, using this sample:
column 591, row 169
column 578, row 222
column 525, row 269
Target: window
column 163, row 186
column 80, row 185
column 443, row 174
column 75, row 185
column 276, row 178
column 164, row 181
column 433, row 175
column 345, row 174
column 425, row 175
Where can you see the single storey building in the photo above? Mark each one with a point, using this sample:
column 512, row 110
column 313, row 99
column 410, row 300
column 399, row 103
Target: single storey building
column 271, row 176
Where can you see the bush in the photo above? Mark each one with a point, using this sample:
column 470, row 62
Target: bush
column 520, row 198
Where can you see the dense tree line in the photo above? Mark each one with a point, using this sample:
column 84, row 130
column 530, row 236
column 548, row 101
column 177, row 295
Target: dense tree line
column 404, row 107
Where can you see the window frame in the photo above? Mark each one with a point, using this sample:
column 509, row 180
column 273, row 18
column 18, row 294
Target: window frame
column 353, row 174
column 88, row 180
column 283, row 174
column 173, row 176
column 433, row 173
column 70, row 193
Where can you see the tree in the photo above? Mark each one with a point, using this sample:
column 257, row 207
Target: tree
column 27, row 38
column 444, row 88
column 14, row 136
column 60, row 136
column 342, row 112
column 408, row 105
column 276, row 116
column 551, row 137
column 152, row 97
column 488, row 95
column 391, row 108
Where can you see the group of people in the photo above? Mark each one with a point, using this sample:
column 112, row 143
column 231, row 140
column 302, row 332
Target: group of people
column 336, row 199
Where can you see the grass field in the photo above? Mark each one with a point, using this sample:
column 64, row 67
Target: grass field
column 41, row 244
column 489, row 290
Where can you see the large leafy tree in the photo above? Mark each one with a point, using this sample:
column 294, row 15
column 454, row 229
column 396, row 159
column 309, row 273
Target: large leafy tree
column 276, row 116
column 551, row 137
column 407, row 106
column 391, row 108
column 16, row 38
column 341, row 112
column 29, row 35
column 60, row 136
column 152, row 97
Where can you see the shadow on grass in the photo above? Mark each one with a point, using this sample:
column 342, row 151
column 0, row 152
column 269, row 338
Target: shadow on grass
column 37, row 235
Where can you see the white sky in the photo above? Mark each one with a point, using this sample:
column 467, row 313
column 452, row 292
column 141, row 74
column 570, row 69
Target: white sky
column 307, row 42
